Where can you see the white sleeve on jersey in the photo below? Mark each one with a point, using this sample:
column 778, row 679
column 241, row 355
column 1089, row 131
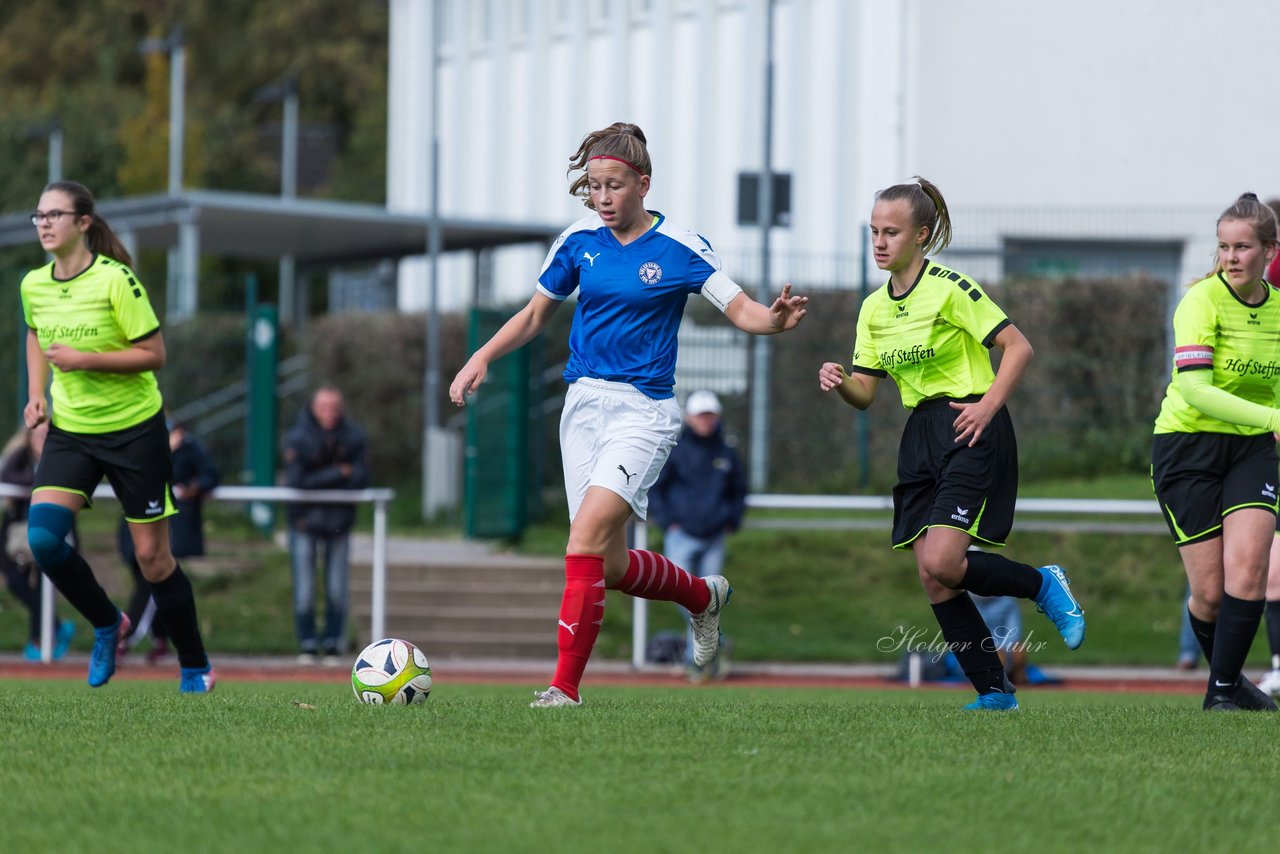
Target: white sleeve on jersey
column 720, row 290
column 587, row 223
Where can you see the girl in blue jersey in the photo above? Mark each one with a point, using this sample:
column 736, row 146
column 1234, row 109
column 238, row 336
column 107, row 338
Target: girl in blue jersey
column 929, row 329
column 91, row 325
column 633, row 271
column 1213, row 456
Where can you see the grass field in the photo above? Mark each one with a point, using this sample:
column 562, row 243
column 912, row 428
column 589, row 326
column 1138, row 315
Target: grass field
column 135, row 767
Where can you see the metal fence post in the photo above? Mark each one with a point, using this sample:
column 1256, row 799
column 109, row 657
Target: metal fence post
column 264, row 336
column 639, row 607
column 378, row 607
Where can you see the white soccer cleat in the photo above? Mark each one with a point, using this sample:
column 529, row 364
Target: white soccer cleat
column 553, row 696
column 706, row 626
column 1270, row 683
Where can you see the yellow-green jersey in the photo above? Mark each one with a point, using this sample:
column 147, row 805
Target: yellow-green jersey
column 102, row 310
column 933, row 339
column 1214, row 330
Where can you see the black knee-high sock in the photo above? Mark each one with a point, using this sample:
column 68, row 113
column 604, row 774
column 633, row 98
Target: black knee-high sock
column 176, row 603
column 1272, row 613
column 1204, row 633
column 74, row 580
column 969, row 638
column 1237, row 624
column 995, row 575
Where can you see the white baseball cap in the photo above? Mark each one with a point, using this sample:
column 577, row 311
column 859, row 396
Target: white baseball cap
column 702, row 401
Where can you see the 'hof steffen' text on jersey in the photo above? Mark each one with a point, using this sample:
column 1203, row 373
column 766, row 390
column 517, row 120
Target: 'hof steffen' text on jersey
column 103, row 309
column 933, row 339
column 1213, row 329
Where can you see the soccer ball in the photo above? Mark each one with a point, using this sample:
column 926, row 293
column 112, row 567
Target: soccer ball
column 391, row 671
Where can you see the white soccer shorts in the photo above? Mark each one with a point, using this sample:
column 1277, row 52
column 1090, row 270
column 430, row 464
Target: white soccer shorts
column 612, row 435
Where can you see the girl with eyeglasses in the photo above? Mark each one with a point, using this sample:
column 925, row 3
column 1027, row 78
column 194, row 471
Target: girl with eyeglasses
column 91, row 326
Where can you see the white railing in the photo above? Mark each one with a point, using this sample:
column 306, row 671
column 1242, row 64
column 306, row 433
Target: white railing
column 379, row 498
column 1098, row 507
column 1050, row 506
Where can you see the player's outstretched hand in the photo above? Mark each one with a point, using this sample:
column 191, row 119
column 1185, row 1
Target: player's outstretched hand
column 831, row 375
column 467, row 380
column 787, row 310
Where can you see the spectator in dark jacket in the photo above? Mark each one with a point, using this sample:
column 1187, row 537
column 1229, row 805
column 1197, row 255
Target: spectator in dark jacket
column 699, row 497
column 324, row 450
column 195, row 476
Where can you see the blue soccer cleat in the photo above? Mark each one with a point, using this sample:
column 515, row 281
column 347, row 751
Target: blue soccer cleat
column 66, row 632
column 1056, row 602
column 102, row 660
column 197, row 680
column 993, row 702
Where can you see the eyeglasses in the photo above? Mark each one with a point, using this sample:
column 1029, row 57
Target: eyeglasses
column 49, row 216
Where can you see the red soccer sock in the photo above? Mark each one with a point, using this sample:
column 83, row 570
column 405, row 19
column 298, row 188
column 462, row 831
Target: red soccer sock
column 581, row 613
column 651, row 576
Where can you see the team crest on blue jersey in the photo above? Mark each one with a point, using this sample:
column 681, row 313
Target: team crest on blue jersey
column 650, row 273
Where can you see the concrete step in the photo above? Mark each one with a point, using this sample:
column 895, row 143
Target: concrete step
column 456, row 574
column 438, row 645
column 453, row 593
column 508, row 621
column 490, row 610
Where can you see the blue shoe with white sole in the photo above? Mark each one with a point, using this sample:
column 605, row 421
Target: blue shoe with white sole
column 993, row 702
column 1056, row 602
column 102, row 660
column 66, row 633
column 197, row 680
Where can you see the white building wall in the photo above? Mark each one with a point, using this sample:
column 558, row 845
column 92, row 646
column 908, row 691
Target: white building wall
column 1156, row 113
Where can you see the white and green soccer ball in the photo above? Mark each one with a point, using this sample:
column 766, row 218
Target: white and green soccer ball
column 391, row 671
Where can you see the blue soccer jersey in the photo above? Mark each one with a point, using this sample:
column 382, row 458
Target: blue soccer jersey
column 630, row 299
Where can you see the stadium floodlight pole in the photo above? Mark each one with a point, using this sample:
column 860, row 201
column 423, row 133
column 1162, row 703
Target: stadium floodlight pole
column 176, row 48
column 55, row 151
column 431, row 363
column 51, row 131
column 182, row 259
column 762, row 350
column 289, row 140
column 285, row 91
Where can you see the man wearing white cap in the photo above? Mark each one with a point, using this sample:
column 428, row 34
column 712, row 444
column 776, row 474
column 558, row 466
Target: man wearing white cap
column 699, row 497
